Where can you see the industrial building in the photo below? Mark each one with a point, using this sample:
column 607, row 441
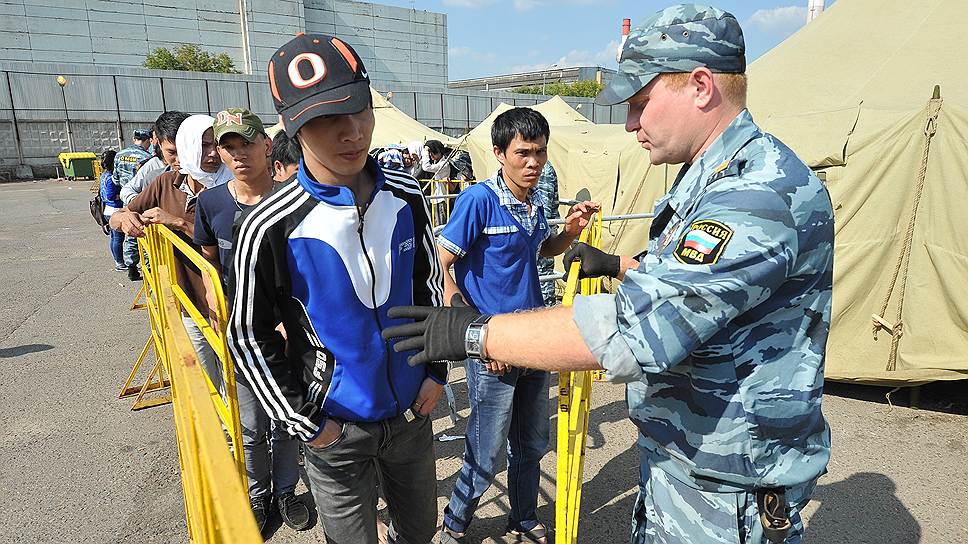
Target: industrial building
column 398, row 45
column 535, row 79
column 98, row 46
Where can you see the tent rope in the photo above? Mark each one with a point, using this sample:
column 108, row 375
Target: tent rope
column 904, row 257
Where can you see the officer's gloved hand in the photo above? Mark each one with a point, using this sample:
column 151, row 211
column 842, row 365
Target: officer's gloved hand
column 437, row 334
column 594, row 262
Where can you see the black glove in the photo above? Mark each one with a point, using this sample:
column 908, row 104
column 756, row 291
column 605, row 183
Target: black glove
column 437, row 333
column 594, row 262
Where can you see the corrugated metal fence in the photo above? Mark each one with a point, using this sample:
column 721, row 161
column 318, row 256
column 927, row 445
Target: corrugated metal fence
column 102, row 106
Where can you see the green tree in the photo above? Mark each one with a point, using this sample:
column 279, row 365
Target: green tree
column 586, row 88
column 190, row 58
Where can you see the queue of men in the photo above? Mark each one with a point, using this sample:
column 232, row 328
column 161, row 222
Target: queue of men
column 345, row 306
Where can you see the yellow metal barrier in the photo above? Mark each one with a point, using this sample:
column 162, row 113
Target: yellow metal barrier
column 574, row 404
column 160, row 250
column 216, row 502
column 162, row 246
column 440, row 207
column 157, row 379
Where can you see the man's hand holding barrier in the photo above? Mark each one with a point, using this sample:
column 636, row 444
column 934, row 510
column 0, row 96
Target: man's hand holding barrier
column 594, row 262
column 437, row 333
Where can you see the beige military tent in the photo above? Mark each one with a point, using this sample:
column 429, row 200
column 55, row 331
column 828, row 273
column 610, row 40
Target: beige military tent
column 395, row 127
column 602, row 158
column 392, row 126
column 851, row 93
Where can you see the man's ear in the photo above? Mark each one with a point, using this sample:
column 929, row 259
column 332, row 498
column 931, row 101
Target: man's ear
column 701, row 81
column 499, row 154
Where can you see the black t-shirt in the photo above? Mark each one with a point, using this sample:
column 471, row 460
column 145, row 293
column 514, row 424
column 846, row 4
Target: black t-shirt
column 215, row 213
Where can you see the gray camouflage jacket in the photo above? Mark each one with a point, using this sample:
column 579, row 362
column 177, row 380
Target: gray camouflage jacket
column 721, row 332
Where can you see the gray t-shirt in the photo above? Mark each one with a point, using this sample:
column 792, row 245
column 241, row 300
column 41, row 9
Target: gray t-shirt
column 145, row 175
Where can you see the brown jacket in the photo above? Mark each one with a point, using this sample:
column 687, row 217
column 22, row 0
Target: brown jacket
column 165, row 193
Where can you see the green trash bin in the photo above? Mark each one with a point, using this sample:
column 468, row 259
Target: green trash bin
column 79, row 165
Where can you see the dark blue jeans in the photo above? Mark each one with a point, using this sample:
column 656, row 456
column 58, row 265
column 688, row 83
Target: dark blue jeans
column 508, row 413
column 116, row 244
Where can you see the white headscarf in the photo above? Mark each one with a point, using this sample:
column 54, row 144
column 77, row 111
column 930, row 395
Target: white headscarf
column 415, row 147
column 188, row 141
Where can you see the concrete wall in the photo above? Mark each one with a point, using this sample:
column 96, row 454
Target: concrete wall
column 398, row 45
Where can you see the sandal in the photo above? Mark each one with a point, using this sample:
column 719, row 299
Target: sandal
column 447, row 537
column 538, row 534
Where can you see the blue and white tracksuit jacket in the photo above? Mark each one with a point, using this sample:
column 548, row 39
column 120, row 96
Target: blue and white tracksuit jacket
column 329, row 269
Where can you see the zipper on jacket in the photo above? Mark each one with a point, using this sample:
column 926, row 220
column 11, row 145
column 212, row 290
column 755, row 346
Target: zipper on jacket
column 376, row 311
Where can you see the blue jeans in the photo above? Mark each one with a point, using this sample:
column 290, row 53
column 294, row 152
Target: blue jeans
column 131, row 256
column 509, row 413
column 278, row 472
column 343, row 476
column 116, row 243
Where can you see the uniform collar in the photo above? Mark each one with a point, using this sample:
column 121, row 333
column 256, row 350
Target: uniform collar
column 338, row 195
column 692, row 179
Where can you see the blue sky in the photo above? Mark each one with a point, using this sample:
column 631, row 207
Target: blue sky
column 488, row 37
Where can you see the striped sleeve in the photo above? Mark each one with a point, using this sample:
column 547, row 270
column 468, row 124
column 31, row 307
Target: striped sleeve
column 258, row 349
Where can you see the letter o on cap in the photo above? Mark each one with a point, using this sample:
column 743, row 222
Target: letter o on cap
column 319, row 70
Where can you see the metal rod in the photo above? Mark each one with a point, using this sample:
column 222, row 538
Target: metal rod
column 208, row 100
column 608, row 218
column 67, row 121
column 117, row 107
column 605, row 219
column 16, row 125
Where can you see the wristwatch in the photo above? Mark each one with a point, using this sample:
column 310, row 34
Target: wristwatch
column 475, row 337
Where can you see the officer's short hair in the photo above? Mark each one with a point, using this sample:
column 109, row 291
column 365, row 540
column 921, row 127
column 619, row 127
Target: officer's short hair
column 166, row 126
column 527, row 122
column 732, row 86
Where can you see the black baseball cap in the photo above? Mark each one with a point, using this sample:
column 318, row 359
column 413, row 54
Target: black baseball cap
column 314, row 75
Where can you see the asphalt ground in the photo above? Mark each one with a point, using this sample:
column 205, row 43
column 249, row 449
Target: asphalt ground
column 80, row 466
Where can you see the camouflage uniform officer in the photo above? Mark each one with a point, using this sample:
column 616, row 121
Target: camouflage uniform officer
column 720, row 326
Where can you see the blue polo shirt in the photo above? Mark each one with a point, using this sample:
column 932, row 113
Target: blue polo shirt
column 497, row 239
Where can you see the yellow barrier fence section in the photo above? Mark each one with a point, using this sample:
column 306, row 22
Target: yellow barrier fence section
column 574, row 404
column 216, row 502
column 440, row 207
column 212, row 469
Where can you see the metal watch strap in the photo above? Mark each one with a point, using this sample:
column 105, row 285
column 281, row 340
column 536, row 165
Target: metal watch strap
column 475, row 336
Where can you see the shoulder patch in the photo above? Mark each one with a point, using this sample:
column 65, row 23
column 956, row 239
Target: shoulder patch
column 703, row 242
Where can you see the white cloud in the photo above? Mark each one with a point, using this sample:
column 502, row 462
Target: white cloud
column 576, row 57
column 525, row 5
column 460, row 51
column 781, row 21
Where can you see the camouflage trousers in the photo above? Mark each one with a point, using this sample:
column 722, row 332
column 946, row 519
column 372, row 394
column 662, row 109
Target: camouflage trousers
column 668, row 511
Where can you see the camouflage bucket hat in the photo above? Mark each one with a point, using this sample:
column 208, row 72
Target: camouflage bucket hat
column 237, row 121
column 677, row 39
